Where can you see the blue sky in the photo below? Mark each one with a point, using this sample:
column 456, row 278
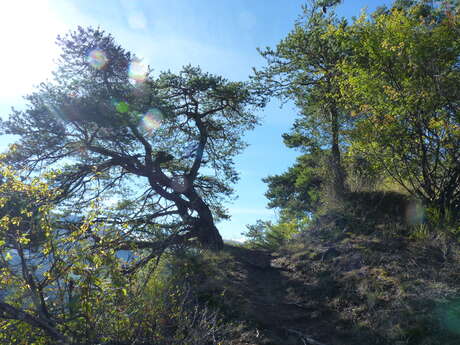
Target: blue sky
column 220, row 36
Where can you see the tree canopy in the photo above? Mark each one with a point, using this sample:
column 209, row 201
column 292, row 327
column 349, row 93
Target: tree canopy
column 401, row 81
column 379, row 96
column 161, row 148
column 303, row 68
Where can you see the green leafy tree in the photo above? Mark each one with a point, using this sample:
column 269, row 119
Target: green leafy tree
column 266, row 235
column 162, row 146
column 38, row 285
column 297, row 192
column 401, row 82
column 68, row 289
column 303, row 67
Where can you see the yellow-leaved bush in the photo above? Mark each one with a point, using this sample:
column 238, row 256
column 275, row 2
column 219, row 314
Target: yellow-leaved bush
column 63, row 279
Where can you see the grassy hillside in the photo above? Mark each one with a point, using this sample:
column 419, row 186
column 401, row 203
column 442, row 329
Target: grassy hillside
column 338, row 288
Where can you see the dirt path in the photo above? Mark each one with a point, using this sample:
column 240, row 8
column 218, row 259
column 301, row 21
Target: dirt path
column 276, row 302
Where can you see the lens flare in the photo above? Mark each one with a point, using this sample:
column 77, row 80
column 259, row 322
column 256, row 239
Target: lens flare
column 138, row 71
column 97, row 58
column 415, row 214
column 151, row 120
column 449, row 315
column 122, row 107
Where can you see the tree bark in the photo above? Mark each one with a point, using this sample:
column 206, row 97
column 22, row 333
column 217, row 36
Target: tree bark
column 204, row 226
column 338, row 174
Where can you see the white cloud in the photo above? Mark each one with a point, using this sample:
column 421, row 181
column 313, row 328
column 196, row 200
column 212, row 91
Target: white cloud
column 134, row 14
column 137, row 20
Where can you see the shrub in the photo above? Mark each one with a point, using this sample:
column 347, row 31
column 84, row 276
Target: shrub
column 266, row 235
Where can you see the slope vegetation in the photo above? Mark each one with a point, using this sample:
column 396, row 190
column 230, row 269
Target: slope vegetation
column 341, row 289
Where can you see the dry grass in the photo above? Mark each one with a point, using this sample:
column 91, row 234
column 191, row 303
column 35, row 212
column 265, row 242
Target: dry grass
column 390, row 290
column 338, row 288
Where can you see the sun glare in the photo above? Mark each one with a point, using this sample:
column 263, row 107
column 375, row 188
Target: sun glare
column 29, row 30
